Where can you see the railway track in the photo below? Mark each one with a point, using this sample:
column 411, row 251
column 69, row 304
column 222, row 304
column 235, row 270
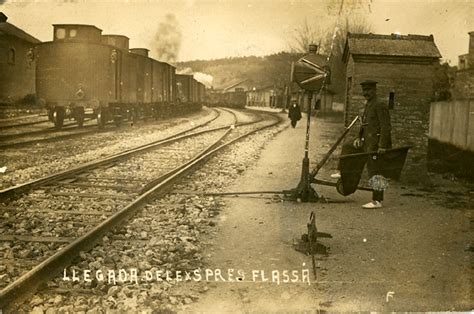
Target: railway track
column 18, row 133
column 34, row 161
column 19, row 120
column 19, row 188
column 16, row 137
column 55, row 218
column 22, row 124
column 46, row 134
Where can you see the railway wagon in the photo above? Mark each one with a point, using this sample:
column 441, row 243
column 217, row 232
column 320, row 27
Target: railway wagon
column 125, row 105
column 183, row 86
column 194, row 91
column 82, row 73
column 235, row 99
column 186, row 93
column 164, row 96
column 144, row 83
column 231, row 99
column 201, row 92
column 196, row 98
column 81, row 70
column 67, row 78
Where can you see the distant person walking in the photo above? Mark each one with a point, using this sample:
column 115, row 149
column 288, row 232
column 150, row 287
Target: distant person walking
column 294, row 113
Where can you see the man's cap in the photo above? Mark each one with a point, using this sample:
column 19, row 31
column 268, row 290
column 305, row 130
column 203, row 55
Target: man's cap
column 368, row 83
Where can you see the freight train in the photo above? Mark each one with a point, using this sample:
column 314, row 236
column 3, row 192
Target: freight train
column 83, row 73
column 232, row 99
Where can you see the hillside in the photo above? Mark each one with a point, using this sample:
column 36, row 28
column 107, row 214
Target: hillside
column 262, row 71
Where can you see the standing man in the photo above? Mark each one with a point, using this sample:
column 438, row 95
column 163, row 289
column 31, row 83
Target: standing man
column 374, row 136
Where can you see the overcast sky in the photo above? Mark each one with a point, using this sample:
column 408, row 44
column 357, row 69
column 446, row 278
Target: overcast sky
column 222, row 28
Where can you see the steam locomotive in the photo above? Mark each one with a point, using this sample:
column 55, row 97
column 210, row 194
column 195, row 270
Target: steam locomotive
column 84, row 74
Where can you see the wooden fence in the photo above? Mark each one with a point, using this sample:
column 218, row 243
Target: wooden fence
column 453, row 123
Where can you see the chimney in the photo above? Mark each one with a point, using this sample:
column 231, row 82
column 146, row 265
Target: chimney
column 3, row 18
column 313, row 48
column 471, row 43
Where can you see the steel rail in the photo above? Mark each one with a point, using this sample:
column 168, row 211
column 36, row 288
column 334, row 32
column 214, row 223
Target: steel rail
column 27, row 284
column 19, row 125
column 67, row 127
column 50, row 139
column 22, row 188
column 55, row 138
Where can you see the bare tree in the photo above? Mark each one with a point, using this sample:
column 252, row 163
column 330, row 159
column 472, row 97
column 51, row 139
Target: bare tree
column 348, row 16
column 344, row 7
column 344, row 16
column 348, row 24
column 305, row 34
column 334, row 44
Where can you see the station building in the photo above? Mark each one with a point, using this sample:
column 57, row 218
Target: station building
column 464, row 82
column 17, row 62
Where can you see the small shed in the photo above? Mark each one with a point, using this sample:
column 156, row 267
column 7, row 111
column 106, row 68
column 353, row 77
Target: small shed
column 404, row 67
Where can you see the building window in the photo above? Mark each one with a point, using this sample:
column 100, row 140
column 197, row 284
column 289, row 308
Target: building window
column 60, row 33
column 73, row 33
column 11, row 56
column 391, row 100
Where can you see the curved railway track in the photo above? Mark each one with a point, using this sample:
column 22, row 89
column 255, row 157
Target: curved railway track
column 117, row 185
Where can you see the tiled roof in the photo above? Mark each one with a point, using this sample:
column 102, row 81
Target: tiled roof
column 391, row 45
column 10, row 29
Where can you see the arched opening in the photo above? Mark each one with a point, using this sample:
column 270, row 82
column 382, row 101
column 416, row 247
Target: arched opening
column 11, row 56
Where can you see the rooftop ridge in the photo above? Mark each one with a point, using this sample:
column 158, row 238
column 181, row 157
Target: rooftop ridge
column 391, row 36
column 11, row 29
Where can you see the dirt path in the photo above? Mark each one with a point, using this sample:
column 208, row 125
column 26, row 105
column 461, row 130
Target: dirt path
column 412, row 255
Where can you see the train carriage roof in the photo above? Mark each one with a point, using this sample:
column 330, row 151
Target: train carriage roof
column 77, row 25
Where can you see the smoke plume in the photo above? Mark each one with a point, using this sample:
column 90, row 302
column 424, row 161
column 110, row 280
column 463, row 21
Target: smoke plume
column 186, row 70
column 168, row 39
column 204, row 78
